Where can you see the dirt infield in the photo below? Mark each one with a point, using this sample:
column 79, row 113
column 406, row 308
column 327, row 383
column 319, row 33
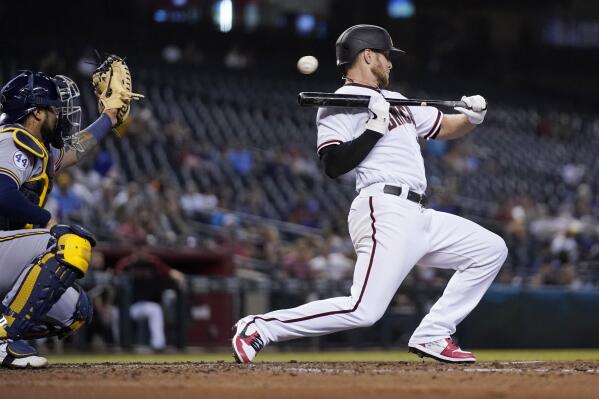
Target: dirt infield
column 527, row 380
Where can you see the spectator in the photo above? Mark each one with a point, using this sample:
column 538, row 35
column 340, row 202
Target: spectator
column 329, row 264
column 296, row 261
column 240, row 159
column 103, row 163
column 131, row 230
column 565, row 242
column 306, row 212
column 197, row 205
column 69, row 203
column 519, row 241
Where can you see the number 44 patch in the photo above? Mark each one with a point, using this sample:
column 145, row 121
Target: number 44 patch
column 21, row 161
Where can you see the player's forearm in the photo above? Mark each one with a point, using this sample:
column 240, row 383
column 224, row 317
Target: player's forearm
column 454, row 127
column 87, row 142
column 89, row 138
column 340, row 159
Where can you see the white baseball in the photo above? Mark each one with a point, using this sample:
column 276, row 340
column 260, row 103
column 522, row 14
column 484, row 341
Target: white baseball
column 307, row 64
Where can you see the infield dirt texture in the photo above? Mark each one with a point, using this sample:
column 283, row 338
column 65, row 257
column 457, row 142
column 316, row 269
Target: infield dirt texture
column 334, row 380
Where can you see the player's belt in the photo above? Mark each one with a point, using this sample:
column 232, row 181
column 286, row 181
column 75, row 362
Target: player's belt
column 412, row 196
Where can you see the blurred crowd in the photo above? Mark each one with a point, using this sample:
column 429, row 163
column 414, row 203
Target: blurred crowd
column 549, row 246
column 553, row 240
column 283, row 221
column 156, row 210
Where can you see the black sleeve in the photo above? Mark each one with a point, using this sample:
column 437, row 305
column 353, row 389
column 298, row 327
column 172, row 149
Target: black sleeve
column 15, row 206
column 340, row 159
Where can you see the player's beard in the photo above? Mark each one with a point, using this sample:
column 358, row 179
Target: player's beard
column 49, row 130
column 381, row 75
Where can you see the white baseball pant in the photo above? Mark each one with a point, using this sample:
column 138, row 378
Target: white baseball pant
column 144, row 310
column 390, row 235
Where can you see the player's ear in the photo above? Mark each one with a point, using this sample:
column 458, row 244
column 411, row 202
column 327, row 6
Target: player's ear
column 38, row 114
column 367, row 55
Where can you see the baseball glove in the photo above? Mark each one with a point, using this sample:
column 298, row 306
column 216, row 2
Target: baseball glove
column 113, row 87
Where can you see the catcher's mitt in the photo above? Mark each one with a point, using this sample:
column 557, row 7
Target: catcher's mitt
column 112, row 84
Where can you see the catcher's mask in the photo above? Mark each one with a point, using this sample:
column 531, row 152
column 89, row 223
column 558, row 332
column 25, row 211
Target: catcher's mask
column 30, row 90
column 69, row 121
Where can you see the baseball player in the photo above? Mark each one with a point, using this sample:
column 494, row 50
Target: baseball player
column 390, row 227
column 41, row 260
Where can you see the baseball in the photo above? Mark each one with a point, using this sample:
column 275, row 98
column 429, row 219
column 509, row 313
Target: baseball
column 307, row 64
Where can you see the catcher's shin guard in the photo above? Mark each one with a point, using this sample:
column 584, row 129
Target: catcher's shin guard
column 41, row 285
column 84, row 313
column 49, row 327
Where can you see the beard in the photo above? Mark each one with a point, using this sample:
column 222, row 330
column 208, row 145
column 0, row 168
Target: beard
column 48, row 131
column 381, row 75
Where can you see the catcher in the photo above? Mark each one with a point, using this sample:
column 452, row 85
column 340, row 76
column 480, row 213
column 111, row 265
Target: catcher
column 41, row 260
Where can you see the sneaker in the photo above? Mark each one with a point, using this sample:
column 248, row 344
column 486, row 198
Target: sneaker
column 246, row 342
column 444, row 350
column 19, row 354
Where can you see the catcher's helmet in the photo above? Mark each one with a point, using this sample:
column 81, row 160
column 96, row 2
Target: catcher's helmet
column 362, row 37
column 26, row 92
column 30, row 90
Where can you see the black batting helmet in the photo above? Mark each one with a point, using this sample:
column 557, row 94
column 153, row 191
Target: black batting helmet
column 362, row 37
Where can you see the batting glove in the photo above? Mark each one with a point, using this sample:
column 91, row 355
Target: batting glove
column 477, row 109
column 378, row 109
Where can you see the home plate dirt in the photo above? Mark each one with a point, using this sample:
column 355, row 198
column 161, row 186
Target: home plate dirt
column 527, row 380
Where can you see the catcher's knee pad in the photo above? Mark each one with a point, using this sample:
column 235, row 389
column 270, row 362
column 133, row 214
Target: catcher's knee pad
column 50, row 327
column 73, row 245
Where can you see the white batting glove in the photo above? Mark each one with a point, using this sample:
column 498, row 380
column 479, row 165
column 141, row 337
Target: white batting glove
column 378, row 108
column 477, row 109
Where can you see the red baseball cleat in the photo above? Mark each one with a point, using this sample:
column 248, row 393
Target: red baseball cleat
column 444, row 350
column 246, row 342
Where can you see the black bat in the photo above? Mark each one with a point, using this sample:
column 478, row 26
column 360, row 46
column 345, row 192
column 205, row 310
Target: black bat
column 316, row 99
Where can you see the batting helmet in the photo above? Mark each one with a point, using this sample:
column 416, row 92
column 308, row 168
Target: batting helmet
column 362, row 37
column 30, row 90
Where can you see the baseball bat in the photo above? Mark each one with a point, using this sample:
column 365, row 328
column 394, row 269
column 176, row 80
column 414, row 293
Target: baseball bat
column 316, row 99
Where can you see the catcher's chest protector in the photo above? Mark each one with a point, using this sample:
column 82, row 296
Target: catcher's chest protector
column 37, row 188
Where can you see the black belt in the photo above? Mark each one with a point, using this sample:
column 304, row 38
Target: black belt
column 412, row 196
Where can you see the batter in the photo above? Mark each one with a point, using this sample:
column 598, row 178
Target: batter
column 390, row 227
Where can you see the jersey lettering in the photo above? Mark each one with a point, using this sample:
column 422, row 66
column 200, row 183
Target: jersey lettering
column 399, row 115
column 396, row 159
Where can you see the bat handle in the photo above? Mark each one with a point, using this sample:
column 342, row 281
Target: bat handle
column 462, row 104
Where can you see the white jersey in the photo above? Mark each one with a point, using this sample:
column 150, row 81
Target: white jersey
column 396, row 158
